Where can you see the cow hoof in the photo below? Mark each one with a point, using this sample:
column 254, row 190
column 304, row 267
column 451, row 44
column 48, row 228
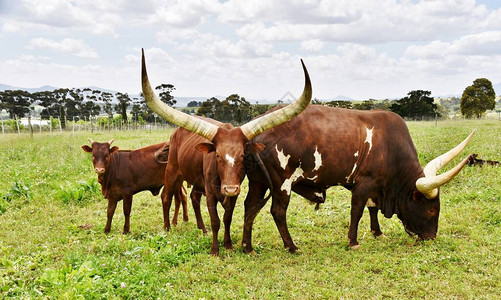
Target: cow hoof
column 355, row 247
column 248, row 249
column 376, row 233
column 293, row 250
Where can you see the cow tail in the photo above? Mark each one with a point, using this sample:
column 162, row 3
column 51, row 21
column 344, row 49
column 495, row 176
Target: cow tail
column 260, row 163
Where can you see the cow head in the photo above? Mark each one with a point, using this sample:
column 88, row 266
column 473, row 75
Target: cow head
column 420, row 215
column 101, row 154
column 227, row 142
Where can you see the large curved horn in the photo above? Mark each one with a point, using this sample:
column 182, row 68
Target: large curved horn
column 111, row 141
column 201, row 127
column 90, row 141
column 429, row 184
column 257, row 126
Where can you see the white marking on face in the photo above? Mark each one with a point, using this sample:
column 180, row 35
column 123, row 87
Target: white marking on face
column 287, row 185
column 230, row 159
column 282, row 158
column 370, row 203
column 318, row 159
column 319, row 195
column 352, row 172
column 368, row 139
column 356, row 154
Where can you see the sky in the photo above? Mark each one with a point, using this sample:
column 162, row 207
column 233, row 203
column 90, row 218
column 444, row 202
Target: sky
column 362, row 49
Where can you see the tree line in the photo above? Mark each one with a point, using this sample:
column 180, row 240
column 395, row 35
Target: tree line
column 85, row 103
column 81, row 104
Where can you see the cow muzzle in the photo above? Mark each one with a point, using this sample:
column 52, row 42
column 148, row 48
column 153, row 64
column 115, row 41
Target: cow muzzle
column 427, row 236
column 230, row 190
column 99, row 170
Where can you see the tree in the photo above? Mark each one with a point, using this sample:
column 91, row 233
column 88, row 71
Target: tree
column 108, row 108
column 194, row 103
column 165, row 93
column 123, row 102
column 59, row 106
column 210, row 108
column 416, row 105
column 16, row 102
column 339, row 103
column 238, row 109
column 365, row 105
column 478, row 98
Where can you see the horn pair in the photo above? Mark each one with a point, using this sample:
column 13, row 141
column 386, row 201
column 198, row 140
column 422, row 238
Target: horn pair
column 110, row 141
column 429, row 184
column 208, row 130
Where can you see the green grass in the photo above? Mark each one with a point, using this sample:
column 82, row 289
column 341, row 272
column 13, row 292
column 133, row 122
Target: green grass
column 52, row 245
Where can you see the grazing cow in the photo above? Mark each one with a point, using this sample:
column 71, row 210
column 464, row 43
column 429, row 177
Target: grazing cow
column 123, row 173
column 210, row 155
column 474, row 161
column 368, row 152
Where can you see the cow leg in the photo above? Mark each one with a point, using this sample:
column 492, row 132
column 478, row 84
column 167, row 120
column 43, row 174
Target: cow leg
column 227, row 217
column 279, row 207
column 184, row 202
column 375, row 229
column 215, row 223
column 357, row 210
column 127, row 208
column 166, row 203
column 112, row 205
column 177, row 204
column 195, row 202
column 253, row 204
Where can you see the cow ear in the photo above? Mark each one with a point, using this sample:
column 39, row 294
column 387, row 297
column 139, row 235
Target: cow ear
column 416, row 195
column 113, row 149
column 254, row 147
column 87, row 148
column 205, row 148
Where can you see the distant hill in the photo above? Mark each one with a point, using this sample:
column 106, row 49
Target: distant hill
column 4, row 87
column 340, row 98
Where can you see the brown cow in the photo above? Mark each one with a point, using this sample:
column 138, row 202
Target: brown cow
column 123, row 173
column 209, row 154
column 368, row 152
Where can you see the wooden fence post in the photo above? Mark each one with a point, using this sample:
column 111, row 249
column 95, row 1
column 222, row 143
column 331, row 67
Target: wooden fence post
column 17, row 124
column 31, row 126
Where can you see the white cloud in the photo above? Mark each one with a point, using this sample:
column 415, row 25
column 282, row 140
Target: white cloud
column 483, row 43
column 312, row 45
column 205, row 47
column 72, row 46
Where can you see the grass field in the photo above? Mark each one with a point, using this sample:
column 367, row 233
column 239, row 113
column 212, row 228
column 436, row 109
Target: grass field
column 52, row 245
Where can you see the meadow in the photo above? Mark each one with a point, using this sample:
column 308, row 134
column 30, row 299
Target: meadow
column 52, row 244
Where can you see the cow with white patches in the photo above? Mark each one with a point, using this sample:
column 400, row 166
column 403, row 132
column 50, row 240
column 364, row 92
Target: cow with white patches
column 210, row 155
column 368, row 152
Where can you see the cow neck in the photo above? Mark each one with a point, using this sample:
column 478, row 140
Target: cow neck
column 399, row 192
column 104, row 179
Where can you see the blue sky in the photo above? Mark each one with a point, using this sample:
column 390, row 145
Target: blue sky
column 360, row 49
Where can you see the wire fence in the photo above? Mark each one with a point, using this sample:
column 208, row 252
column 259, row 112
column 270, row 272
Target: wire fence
column 54, row 125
